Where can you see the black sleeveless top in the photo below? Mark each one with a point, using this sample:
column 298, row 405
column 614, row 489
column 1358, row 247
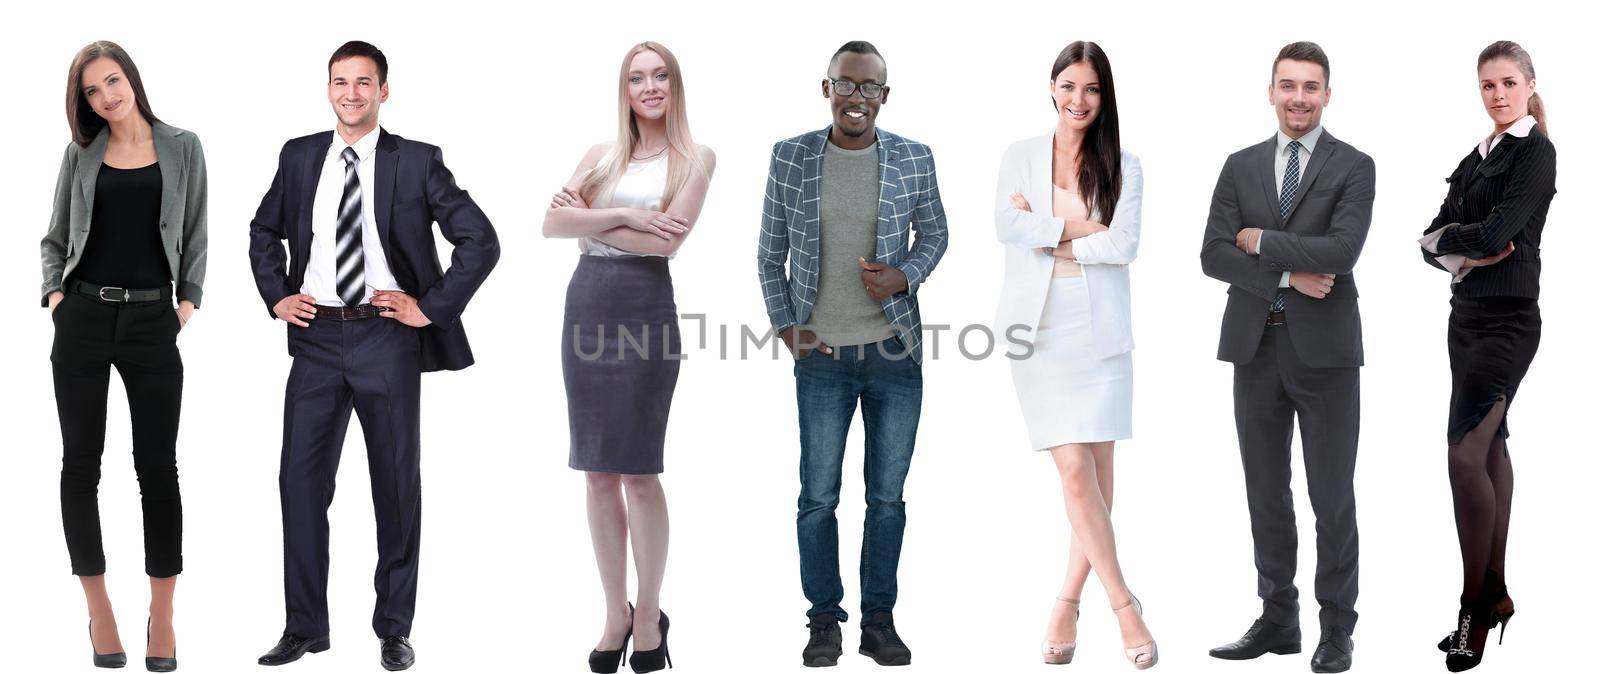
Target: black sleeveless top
column 124, row 247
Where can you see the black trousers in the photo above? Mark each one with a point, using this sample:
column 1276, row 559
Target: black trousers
column 373, row 367
column 1269, row 394
column 139, row 339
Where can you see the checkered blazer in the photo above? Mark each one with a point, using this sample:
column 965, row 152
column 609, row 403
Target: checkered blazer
column 908, row 199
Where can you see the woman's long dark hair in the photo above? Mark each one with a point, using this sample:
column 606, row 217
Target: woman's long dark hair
column 85, row 122
column 1100, row 162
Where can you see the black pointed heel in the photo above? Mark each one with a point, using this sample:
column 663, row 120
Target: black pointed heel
column 657, row 658
column 158, row 664
column 109, row 660
column 607, row 662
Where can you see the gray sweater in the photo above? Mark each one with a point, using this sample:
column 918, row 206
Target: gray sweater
column 845, row 315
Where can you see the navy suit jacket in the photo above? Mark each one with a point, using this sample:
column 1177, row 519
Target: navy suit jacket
column 413, row 191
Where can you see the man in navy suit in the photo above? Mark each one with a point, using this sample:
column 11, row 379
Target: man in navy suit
column 368, row 310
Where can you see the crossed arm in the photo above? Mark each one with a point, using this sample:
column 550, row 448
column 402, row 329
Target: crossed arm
column 635, row 230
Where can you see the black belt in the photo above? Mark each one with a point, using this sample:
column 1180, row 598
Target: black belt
column 355, row 313
column 120, row 295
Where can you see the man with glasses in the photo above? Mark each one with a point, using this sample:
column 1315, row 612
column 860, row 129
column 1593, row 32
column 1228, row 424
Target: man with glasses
column 842, row 205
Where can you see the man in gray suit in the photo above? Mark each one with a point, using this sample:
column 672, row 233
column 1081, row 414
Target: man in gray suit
column 1285, row 240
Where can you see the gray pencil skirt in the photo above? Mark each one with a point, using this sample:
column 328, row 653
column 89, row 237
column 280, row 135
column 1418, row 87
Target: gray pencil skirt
column 620, row 348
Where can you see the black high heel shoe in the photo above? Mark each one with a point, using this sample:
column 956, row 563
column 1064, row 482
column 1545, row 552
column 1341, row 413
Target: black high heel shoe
column 1471, row 637
column 656, row 658
column 158, row 664
column 1502, row 609
column 607, row 662
column 107, row 661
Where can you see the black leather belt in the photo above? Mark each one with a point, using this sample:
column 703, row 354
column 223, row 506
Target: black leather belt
column 355, row 313
column 120, row 295
column 1275, row 318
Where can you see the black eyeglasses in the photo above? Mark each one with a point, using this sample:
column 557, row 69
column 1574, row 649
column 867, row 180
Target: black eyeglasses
column 868, row 89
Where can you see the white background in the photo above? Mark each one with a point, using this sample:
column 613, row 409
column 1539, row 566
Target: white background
column 515, row 94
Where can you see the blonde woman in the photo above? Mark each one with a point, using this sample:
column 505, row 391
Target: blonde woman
column 630, row 204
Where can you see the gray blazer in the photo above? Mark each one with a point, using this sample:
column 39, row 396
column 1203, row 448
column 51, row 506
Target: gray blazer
column 1323, row 233
column 183, row 210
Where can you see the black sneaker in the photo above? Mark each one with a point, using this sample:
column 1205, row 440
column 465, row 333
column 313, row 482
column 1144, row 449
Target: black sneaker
column 826, row 644
column 880, row 642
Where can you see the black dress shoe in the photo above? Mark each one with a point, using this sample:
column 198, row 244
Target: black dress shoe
column 397, row 653
column 880, row 642
column 1333, row 650
column 826, row 644
column 291, row 647
column 1262, row 638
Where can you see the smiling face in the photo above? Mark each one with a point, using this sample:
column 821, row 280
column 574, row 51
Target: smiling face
column 1299, row 91
column 1076, row 92
column 649, row 85
column 855, row 115
column 107, row 90
column 1505, row 91
column 355, row 92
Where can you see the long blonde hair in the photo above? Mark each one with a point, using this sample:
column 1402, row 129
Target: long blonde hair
column 682, row 154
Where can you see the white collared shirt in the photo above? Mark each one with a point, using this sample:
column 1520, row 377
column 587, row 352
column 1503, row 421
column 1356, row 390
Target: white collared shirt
column 321, row 280
column 1280, row 166
column 1520, row 128
column 1456, row 264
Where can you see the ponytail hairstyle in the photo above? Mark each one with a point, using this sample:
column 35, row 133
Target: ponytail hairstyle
column 1100, row 164
column 683, row 156
column 1513, row 52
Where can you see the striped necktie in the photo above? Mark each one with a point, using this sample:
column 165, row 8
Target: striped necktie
column 1291, row 184
column 351, row 273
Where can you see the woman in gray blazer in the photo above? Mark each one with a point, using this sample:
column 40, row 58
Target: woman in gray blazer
column 128, row 232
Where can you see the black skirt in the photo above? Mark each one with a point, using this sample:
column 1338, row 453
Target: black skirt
column 620, row 348
column 1492, row 342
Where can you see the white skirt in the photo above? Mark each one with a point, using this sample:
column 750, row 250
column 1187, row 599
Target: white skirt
column 1068, row 395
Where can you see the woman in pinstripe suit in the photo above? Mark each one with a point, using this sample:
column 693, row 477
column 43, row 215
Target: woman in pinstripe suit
column 1487, row 236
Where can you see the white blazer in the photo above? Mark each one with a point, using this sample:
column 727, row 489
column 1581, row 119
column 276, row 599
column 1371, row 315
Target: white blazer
column 1105, row 255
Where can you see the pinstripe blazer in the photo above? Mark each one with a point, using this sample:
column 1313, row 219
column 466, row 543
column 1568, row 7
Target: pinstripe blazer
column 790, row 228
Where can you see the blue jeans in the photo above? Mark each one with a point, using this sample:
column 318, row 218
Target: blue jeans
column 888, row 382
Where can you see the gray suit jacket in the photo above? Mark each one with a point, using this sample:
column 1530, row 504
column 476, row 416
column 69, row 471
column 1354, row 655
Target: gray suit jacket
column 1323, row 233
column 183, row 210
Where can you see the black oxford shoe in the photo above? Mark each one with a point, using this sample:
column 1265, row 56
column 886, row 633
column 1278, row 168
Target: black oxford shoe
column 397, row 654
column 1333, row 651
column 1262, row 638
column 291, row 647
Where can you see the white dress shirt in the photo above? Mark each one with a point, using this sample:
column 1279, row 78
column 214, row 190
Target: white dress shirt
column 1453, row 263
column 321, row 280
column 1280, row 166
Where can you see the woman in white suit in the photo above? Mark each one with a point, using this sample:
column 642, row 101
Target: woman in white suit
column 1065, row 307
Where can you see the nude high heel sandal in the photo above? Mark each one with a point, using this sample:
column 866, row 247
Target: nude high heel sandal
column 1061, row 652
column 1144, row 655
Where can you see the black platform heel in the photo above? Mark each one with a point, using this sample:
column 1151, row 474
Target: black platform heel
column 656, row 658
column 158, row 664
column 607, row 662
column 108, row 661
